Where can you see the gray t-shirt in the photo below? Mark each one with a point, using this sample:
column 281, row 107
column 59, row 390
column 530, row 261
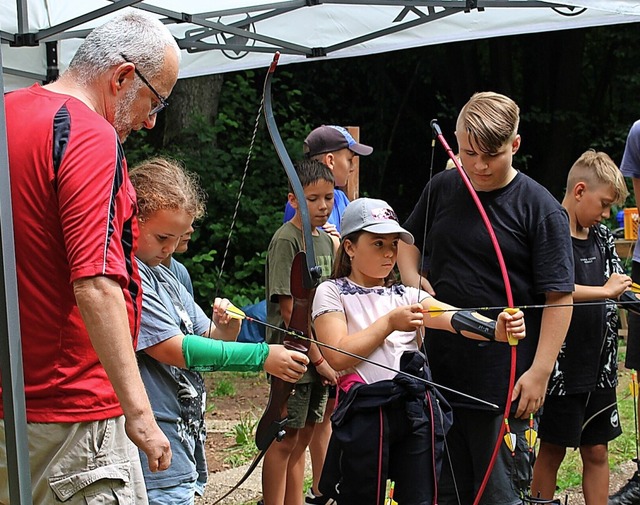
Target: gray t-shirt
column 630, row 167
column 177, row 395
column 182, row 274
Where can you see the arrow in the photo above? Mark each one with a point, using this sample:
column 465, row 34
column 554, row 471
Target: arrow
column 435, row 311
column 530, row 434
column 236, row 313
column 510, row 438
column 633, row 386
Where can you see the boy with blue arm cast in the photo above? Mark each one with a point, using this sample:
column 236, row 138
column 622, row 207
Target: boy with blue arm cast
column 580, row 409
column 172, row 347
column 283, row 469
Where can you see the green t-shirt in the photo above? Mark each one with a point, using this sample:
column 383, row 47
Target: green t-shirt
column 285, row 244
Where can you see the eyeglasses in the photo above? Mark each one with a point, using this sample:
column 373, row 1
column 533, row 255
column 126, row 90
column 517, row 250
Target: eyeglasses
column 163, row 103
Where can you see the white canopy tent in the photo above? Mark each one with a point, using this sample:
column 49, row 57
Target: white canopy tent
column 39, row 37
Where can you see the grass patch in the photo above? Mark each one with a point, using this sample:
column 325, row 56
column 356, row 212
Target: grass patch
column 224, row 387
column 245, row 448
column 621, row 449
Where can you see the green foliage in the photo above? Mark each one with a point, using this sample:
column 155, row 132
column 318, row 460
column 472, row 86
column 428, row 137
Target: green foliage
column 577, row 89
column 245, row 448
column 245, row 430
column 218, row 154
column 224, row 387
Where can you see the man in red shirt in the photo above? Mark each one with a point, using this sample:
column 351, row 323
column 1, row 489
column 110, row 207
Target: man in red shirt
column 79, row 289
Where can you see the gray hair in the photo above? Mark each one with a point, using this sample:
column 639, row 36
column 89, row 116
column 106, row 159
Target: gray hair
column 142, row 38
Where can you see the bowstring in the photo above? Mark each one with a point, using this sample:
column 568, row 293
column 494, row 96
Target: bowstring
column 424, row 242
column 236, row 208
column 424, row 329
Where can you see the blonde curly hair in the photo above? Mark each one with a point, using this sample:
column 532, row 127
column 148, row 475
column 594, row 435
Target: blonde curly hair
column 164, row 184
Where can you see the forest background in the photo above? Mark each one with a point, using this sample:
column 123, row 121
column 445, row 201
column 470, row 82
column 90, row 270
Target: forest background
column 576, row 89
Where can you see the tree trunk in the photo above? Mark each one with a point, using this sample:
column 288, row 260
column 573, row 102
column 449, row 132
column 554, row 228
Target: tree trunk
column 196, row 96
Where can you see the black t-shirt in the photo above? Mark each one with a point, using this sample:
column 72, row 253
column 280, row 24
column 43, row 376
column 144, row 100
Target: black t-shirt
column 532, row 229
column 576, row 370
column 588, row 357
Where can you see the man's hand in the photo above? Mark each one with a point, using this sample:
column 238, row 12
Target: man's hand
column 147, row 435
column 104, row 313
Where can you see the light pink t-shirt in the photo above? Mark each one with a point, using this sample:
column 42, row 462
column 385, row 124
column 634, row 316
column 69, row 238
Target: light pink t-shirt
column 362, row 307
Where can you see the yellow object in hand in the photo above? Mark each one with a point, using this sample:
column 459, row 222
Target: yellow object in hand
column 235, row 313
column 512, row 311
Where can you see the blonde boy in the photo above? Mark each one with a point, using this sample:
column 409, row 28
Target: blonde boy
column 580, row 408
column 533, row 233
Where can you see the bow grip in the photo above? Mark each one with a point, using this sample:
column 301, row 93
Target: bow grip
column 512, row 311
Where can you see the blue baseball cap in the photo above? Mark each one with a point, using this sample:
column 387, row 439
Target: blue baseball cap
column 326, row 139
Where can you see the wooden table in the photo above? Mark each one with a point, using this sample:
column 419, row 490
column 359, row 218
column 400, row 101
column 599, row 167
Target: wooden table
column 624, row 248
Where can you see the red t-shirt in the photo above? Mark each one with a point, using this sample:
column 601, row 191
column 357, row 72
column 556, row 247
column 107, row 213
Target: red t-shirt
column 74, row 217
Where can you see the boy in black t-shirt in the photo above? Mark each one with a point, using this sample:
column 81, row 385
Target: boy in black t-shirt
column 580, row 409
column 532, row 230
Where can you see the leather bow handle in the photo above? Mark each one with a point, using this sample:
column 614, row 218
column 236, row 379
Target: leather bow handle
column 272, row 423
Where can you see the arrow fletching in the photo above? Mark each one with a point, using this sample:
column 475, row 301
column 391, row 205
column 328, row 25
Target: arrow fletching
column 434, row 311
column 235, row 313
column 633, row 385
column 510, row 438
column 532, row 437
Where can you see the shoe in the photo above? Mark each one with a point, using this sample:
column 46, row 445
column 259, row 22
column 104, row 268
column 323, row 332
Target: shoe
column 629, row 494
column 311, row 499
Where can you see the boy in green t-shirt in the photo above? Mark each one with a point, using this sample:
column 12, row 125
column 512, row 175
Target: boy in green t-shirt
column 283, row 468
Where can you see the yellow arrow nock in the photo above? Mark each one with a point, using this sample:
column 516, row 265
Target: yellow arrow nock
column 388, row 494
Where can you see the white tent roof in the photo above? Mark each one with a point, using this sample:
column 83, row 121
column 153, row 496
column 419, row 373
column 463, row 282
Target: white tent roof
column 243, row 34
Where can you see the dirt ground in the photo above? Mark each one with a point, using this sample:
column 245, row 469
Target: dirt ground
column 247, row 404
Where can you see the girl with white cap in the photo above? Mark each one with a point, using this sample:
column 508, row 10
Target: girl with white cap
column 387, row 425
